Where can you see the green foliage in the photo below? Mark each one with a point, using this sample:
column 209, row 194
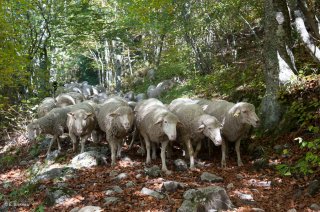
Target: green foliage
column 16, row 117
column 7, row 160
column 303, row 110
column 23, row 192
column 182, row 90
column 40, row 208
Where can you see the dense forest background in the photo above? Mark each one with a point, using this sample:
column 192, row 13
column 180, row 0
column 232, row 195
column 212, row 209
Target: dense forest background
column 264, row 52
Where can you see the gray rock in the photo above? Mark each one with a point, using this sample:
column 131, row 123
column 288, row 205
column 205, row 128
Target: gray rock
column 111, row 200
column 130, row 184
column 110, row 192
column 117, row 189
column 180, row 165
column 239, row 176
column 212, row 178
column 246, row 198
column 52, row 156
column 314, row 187
column 171, row 186
column 122, row 176
column 56, row 197
column 102, row 150
column 113, row 173
column 87, row 160
column 292, row 210
column 152, row 193
column 315, row 207
column 138, row 176
column 230, row 186
column 90, row 209
column 212, row 198
column 53, row 172
column 260, row 163
column 154, row 171
column 151, row 74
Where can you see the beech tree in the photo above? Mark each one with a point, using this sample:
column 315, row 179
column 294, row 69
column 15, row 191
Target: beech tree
column 279, row 61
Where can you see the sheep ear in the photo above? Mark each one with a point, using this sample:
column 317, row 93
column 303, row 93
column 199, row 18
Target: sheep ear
column 114, row 114
column 159, row 121
column 70, row 114
column 89, row 115
column 179, row 124
column 201, row 128
column 204, row 107
column 237, row 113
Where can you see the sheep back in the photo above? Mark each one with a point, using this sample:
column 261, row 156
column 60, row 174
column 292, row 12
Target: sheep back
column 46, row 105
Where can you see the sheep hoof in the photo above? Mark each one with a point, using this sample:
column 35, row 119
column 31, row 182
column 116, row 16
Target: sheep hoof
column 223, row 165
column 240, row 163
column 167, row 172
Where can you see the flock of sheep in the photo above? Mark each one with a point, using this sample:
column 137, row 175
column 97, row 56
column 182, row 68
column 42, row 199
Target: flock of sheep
column 114, row 118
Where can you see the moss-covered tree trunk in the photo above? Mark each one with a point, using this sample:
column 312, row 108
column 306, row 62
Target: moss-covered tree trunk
column 279, row 64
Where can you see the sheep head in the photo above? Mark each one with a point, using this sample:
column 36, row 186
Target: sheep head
column 168, row 124
column 80, row 120
column 211, row 128
column 123, row 117
column 245, row 112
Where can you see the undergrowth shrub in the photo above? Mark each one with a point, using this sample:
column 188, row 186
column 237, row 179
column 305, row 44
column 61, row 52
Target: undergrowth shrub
column 304, row 112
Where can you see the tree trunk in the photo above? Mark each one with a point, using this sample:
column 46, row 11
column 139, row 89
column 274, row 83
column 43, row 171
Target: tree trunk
column 278, row 60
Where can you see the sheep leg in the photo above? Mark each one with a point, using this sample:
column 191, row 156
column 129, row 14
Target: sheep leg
column 238, row 153
column 223, row 153
column 163, row 157
column 154, row 151
column 59, row 145
column 119, row 146
column 51, row 142
column 134, row 135
column 74, row 141
column 190, row 151
column 113, row 148
column 83, row 142
column 197, row 149
column 147, row 142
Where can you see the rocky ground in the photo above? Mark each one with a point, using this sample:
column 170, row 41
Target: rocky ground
column 70, row 182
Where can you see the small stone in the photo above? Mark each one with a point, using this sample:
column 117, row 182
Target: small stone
column 122, row 176
column 230, row 186
column 180, row 165
column 111, row 200
column 212, row 178
column 292, row 210
column 110, row 192
column 138, row 176
column 130, row 184
column 314, row 187
column 154, row 171
column 171, row 186
column 117, row 189
column 23, row 163
column 239, row 176
column 152, row 193
column 90, row 209
column 113, row 173
column 315, row 207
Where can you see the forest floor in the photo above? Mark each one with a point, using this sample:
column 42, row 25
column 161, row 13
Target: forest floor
column 274, row 193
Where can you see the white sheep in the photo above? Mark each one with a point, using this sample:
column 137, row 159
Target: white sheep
column 53, row 123
column 70, row 98
column 236, row 121
column 196, row 125
column 46, row 105
column 115, row 118
column 156, row 124
column 81, row 123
